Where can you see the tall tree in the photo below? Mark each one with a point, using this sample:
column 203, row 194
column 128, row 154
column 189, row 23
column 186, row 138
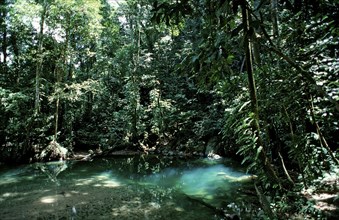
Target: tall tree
column 39, row 55
column 3, row 15
column 261, row 149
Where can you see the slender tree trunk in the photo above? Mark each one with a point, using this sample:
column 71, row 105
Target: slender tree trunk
column 136, row 63
column 60, row 73
column 255, row 44
column 3, row 29
column 16, row 60
column 56, row 118
column 4, row 45
column 253, row 95
column 274, row 16
column 38, row 69
column 135, row 107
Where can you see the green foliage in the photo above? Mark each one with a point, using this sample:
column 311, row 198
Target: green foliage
column 172, row 75
column 12, row 102
column 20, row 131
column 238, row 128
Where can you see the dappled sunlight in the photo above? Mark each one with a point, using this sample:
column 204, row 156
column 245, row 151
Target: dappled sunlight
column 8, row 180
column 155, row 205
column 131, row 105
column 20, row 195
column 324, row 206
column 102, row 180
column 179, row 209
column 112, row 193
column 49, row 199
column 83, row 182
column 136, row 207
column 6, row 195
column 13, row 178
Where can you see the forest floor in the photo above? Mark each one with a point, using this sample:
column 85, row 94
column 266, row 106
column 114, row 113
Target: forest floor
column 325, row 194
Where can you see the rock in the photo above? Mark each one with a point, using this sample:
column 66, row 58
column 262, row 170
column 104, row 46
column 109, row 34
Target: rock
column 63, row 151
column 214, row 156
column 240, row 179
column 54, row 151
column 211, row 146
column 87, row 158
column 246, row 179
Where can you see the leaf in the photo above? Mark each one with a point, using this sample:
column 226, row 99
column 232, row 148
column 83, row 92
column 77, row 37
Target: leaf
column 244, row 105
column 258, row 152
column 230, row 59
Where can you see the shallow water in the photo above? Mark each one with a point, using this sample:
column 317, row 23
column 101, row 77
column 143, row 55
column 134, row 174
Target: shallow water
column 139, row 187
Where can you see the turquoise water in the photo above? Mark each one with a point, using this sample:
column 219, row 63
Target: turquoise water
column 139, row 187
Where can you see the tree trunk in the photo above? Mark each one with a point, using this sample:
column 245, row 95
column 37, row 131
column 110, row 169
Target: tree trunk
column 3, row 29
column 253, row 95
column 56, row 119
column 274, row 16
column 61, row 73
column 136, row 60
column 39, row 56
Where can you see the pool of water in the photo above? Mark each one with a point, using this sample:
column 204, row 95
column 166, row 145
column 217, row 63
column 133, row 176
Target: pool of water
column 138, row 187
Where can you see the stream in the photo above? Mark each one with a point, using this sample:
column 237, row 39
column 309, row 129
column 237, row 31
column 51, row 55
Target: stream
column 136, row 187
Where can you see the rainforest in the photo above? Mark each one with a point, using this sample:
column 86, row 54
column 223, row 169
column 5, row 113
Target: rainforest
column 169, row 109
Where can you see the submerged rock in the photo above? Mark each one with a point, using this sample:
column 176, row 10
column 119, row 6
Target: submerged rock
column 240, row 179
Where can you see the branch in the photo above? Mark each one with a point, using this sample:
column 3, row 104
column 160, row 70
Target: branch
column 285, row 170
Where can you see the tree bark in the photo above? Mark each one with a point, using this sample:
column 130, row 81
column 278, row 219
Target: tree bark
column 136, row 62
column 39, row 58
column 274, row 16
column 253, row 95
column 3, row 29
column 61, row 73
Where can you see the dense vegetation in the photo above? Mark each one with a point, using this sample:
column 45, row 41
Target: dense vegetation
column 256, row 80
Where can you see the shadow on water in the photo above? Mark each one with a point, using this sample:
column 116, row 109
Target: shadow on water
column 139, row 187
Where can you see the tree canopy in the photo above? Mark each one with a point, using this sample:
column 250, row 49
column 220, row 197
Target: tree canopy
column 255, row 80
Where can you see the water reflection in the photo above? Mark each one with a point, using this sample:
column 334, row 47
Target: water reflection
column 205, row 181
column 120, row 188
column 52, row 169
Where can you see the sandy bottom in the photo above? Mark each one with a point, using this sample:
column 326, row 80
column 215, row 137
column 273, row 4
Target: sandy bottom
column 93, row 201
column 110, row 189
